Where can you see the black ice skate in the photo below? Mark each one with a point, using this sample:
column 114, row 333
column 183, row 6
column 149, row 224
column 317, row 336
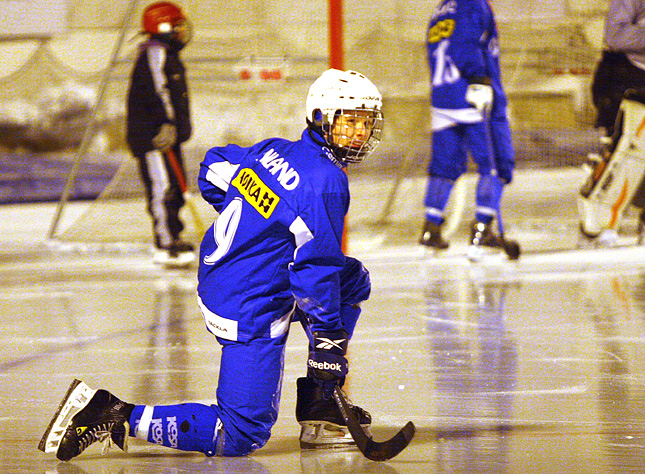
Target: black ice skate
column 431, row 237
column 322, row 423
column 482, row 236
column 179, row 246
column 85, row 416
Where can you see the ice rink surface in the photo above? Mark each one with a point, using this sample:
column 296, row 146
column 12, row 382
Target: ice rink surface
column 532, row 366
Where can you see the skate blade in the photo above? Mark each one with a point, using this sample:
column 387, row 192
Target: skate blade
column 478, row 253
column 77, row 397
column 325, row 435
column 475, row 253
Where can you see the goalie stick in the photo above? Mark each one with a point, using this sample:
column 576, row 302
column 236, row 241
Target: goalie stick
column 374, row 450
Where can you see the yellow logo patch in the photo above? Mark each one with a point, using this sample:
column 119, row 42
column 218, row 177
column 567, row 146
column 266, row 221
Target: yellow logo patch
column 443, row 29
column 258, row 194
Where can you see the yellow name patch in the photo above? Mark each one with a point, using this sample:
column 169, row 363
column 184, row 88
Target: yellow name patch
column 258, row 194
column 443, row 29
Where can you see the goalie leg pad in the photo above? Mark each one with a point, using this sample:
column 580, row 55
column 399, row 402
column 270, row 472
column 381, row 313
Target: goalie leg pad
column 607, row 192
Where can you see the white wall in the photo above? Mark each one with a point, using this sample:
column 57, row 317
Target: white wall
column 32, row 18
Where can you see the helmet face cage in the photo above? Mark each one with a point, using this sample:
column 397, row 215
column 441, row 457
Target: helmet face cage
column 167, row 20
column 353, row 134
column 345, row 107
column 182, row 31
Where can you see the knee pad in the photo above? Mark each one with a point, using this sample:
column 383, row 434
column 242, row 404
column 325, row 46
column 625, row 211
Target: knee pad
column 243, row 445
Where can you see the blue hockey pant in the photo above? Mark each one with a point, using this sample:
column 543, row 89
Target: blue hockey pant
column 248, row 391
column 450, row 149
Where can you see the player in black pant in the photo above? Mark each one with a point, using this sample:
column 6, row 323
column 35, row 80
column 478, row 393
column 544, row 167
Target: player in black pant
column 158, row 120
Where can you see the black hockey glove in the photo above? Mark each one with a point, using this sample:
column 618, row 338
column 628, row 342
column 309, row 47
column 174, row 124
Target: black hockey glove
column 327, row 357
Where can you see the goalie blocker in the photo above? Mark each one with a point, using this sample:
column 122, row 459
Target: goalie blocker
column 616, row 176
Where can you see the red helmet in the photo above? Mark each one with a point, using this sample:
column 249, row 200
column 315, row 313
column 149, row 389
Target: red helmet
column 161, row 17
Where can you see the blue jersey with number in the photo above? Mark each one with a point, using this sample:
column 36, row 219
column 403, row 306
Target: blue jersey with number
column 462, row 44
column 277, row 239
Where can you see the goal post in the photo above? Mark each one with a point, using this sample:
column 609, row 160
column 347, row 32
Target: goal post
column 91, row 126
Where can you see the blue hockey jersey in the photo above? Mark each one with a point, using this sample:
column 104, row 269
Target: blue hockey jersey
column 277, row 239
column 462, row 44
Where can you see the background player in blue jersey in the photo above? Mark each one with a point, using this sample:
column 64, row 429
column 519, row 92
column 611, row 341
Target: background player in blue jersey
column 468, row 116
column 272, row 257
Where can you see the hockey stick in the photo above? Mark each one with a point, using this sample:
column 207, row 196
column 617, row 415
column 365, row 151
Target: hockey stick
column 376, row 451
column 188, row 199
column 510, row 247
column 402, row 173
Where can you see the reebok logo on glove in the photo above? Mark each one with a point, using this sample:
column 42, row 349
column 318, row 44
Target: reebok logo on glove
column 326, row 343
column 326, row 366
column 326, row 359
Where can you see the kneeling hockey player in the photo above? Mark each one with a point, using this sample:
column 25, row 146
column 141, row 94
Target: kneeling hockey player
column 272, row 257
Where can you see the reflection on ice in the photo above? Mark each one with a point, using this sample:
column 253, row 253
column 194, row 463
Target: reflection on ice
column 475, row 362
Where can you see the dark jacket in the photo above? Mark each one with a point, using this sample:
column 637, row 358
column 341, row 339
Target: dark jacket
column 158, row 71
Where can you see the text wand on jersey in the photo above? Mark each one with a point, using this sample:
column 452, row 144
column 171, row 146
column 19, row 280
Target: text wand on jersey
column 374, row 450
column 188, row 197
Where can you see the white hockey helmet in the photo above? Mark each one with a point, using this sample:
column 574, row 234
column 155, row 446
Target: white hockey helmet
column 345, row 93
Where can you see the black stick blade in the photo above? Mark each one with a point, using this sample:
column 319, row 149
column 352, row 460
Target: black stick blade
column 512, row 249
column 374, row 450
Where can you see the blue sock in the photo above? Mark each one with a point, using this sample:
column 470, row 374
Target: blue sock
column 437, row 195
column 487, row 198
column 187, row 426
